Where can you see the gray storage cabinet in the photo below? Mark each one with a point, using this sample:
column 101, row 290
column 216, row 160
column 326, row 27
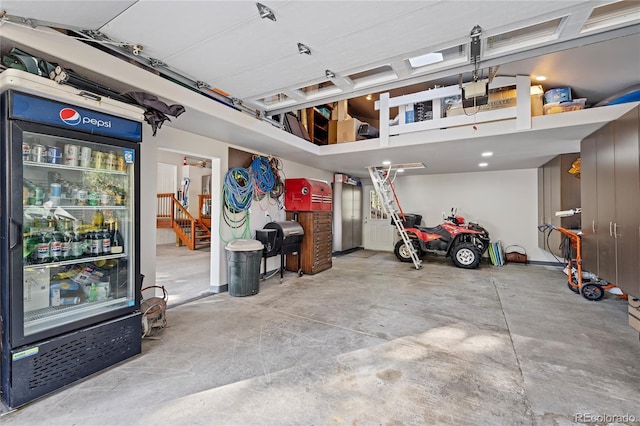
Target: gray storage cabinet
column 610, row 180
column 557, row 190
column 243, row 267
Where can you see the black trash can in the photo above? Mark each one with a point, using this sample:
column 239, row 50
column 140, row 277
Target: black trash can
column 243, row 267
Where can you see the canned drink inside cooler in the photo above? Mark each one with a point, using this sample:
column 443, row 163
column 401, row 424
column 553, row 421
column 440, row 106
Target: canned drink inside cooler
column 85, row 156
column 54, row 155
column 71, row 153
column 110, row 161
column 98, row 159
column 39, row 153
column 55, row 189
column 26, row 151
column 38, row 196
column 82, row 197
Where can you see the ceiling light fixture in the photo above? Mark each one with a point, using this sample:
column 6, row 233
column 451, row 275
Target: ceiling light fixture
column 541, row 78
column 483, row 164
column 386, row 162
column 304, row 49
column 487, row 154
column 368, row 97
column 329, row 74
column 400, row 170
column 265, row 12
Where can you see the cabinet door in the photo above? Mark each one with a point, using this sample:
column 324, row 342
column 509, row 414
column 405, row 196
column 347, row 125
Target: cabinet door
column 345, row 215
column 627, row 181
column 357, row 216
column 605, row 171
column 589, row 203
column 541, row 236
column 78, row 234
column 553, row 202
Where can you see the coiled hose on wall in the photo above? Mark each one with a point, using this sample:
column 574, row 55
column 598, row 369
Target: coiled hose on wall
column 237, row 193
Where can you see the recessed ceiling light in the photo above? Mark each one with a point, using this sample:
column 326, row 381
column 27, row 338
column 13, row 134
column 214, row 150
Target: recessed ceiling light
column 541, row 78
column 483, row 164
column 400, row 170
column 487, row 154
column 304, row 49
column 386, row 162
column 265, row 12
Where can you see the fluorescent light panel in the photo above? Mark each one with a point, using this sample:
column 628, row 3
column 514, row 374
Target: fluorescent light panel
column 405, row 166
column 424, row 60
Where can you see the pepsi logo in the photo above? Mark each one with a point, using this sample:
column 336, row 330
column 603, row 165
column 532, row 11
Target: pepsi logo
column 70, row 116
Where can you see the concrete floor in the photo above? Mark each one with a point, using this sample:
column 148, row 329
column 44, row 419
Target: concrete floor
column 183, row 272
column 372, row 341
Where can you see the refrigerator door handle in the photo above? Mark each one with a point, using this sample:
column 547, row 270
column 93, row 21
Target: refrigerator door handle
column 15, row 231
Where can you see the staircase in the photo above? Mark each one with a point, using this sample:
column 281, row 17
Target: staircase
column 190, row 231
column 383, row 184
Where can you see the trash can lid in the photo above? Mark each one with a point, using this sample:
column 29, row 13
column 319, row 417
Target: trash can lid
column 244, row 245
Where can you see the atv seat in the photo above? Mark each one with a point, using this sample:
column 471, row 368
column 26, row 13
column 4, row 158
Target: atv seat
column 434, row 230
column 430, row 229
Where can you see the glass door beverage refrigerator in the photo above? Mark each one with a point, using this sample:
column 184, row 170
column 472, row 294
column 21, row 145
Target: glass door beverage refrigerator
column 70, row 290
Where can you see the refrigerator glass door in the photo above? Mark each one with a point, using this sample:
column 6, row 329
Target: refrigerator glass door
column 78, row 236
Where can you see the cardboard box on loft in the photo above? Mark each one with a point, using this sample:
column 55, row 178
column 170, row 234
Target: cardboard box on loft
column 347, row 130
column 333, row 132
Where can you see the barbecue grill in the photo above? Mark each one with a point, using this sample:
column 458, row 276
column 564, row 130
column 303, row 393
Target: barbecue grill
column 281, row 238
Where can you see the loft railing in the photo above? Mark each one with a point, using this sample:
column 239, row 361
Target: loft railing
column 521, row 112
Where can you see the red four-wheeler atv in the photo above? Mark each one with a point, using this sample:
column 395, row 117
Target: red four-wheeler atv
column 465, row 243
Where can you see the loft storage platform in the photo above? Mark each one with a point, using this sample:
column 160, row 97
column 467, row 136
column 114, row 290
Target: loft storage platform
column 450, row 107
column 576, row 124
column 511, row 104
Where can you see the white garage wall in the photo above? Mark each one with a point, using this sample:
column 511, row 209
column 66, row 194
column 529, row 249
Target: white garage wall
column 185, row 143
column 276, row 213
column 504, row 202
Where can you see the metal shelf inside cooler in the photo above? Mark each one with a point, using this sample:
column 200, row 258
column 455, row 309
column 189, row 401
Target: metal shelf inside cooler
column 66, row 167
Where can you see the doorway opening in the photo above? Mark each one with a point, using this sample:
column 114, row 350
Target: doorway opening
column 185, row 184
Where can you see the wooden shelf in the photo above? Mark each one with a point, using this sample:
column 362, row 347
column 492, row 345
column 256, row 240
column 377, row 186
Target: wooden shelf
column 318, row 125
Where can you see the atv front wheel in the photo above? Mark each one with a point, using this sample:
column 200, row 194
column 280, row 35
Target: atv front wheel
column 403, row 252
column 465, row 255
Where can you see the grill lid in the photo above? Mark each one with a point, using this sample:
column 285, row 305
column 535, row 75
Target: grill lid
column 290, row 228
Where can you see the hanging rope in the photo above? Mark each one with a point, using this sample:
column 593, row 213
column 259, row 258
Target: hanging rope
column 262, row 176
column 237, row 193
column 238, row 189
column 278, row 185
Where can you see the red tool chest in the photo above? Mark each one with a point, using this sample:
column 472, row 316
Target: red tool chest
column 304, row 194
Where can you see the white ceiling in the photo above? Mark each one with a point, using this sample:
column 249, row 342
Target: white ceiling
column 228, row 46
